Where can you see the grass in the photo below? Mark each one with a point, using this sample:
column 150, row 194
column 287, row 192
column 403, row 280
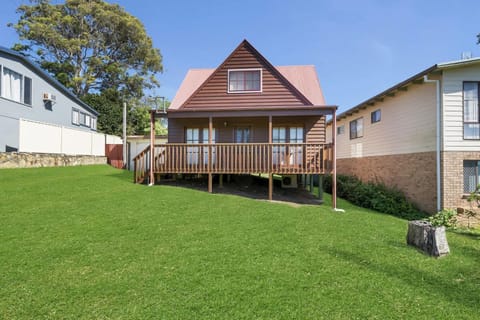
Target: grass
column 86, row 243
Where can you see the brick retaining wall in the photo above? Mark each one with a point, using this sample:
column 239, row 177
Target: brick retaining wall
column 413, row 174
column 35, row 160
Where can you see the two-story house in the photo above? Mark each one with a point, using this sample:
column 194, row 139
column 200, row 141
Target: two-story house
column 421, row 136
column 245, row 117
column 31, row 101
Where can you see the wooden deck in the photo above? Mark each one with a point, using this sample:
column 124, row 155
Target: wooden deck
column 232, row 158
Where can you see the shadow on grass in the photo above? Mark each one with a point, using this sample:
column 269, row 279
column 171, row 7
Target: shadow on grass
column 462, row 291
column 472, row 234
column 248, row 187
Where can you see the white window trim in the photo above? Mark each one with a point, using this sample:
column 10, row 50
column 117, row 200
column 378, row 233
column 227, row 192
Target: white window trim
column 245, row 69
column 22, row 87
column 78, row 116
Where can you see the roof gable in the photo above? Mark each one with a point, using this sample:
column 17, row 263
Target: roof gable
column 212, row 93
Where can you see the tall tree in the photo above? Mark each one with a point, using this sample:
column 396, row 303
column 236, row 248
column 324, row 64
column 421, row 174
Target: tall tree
column 90, row 46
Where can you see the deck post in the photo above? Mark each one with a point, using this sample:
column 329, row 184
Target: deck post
column 152, row 147
column 270, row 186
column 220, row 181
column 270, row 156
column 334, row 159
column 320, row 187
column 210, row 158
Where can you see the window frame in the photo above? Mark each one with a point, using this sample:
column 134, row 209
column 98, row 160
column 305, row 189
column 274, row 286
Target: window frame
column 340, row 130
column 373, row 118
column 245, row 70
column 77, row 112
column 22, row 86
column 30, row 92
column 244, row 129
column 356, row 135
column 93, row 123
column 476, row 176
column 463, row 110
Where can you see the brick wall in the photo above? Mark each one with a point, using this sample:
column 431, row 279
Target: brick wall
column 452, row 174
column 413, row 174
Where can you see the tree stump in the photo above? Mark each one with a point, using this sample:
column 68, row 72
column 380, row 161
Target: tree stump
column 431, row 240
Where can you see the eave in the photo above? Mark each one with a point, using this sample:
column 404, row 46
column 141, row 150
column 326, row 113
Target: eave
column 252, row 112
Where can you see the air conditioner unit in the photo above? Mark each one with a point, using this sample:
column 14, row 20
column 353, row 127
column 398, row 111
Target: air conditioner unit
column 289, row 181
column 49, row 97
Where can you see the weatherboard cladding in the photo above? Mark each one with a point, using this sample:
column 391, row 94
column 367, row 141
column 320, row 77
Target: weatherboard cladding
column 276, row 91
column 314, row 128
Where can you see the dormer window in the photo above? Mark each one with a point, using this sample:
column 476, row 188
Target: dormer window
column 244, row 80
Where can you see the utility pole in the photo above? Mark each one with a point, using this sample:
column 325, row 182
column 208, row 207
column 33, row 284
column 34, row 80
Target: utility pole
column 124, row 135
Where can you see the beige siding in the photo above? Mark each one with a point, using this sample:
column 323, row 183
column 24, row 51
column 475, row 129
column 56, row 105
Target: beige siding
column 453, row 108
column 407, row 126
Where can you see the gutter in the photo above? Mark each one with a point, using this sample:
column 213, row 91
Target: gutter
column 438, row 138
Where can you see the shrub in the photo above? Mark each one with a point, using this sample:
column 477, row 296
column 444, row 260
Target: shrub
column 374, row 196
column 446, row 218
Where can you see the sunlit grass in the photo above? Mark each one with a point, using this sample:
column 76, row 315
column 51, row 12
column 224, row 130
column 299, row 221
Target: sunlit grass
column 85, row 242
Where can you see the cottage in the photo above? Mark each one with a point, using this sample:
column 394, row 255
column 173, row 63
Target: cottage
column 246, row 116
column 421, row 136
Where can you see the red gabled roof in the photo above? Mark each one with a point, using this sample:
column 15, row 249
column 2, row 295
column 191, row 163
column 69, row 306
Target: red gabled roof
column 301, row 81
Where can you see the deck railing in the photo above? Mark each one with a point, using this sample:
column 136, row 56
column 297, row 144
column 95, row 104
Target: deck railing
column 236, row 158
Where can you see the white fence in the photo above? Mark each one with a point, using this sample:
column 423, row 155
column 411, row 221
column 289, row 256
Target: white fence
column 48, row 138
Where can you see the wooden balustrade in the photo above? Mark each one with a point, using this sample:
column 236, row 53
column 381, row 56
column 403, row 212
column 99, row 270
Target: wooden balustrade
column 230, row 158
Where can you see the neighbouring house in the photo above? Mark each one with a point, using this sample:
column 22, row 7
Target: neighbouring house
column 244, row 117
column 38, row 114
column 421, row 136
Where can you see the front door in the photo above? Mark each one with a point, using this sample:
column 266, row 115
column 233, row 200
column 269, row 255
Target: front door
column 192, row 136
column 242, row 135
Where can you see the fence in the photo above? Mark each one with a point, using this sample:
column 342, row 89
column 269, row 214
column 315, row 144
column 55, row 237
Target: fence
column 48, row 138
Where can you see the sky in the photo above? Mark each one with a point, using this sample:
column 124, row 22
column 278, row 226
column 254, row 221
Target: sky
column 359, row 48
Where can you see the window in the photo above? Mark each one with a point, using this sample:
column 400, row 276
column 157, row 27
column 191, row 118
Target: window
column 205, row 150
column 75, row 117
column 376, row 116
column 249, row 80
column 27, row 90
column 197, row 136
column 11, row 85
column 15, row 87
column 341, row 130
column 82, row 118
column 470, row 175
column 356, row 128
column 471, row 119
column 242, row 135
column 87, row 120
column 294, row 154
column 94, row 123
column 192, row 136
column 279, row 135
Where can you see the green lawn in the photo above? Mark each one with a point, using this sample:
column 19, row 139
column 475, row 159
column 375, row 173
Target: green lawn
column 86, row 243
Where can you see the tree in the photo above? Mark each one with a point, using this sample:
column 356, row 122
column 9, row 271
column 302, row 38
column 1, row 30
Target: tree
column 90, row 46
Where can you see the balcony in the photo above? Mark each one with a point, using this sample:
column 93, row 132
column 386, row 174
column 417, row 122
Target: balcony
column 233, row 158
